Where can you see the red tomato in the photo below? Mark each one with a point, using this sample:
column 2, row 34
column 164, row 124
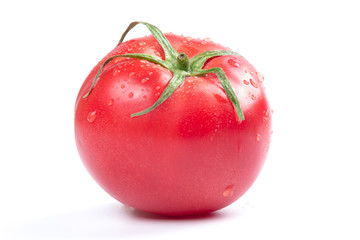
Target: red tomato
column 192, row 154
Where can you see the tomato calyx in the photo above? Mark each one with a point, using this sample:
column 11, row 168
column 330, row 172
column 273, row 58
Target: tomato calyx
column 181, row 67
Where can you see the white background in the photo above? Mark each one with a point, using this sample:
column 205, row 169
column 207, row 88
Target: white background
column 308, row 52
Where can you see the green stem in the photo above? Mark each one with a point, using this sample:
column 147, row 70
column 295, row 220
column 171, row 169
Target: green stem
column 170, row 53
column 181, row 67
column 177, row 79
column 182, row 62
column 198, row 61
column 224, row 81
column 149, row 58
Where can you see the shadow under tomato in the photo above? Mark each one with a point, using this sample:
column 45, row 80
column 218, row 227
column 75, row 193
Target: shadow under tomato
column 140, row 215
column 107, row 221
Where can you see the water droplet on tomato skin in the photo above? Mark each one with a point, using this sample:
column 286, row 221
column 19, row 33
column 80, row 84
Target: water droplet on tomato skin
column 228, row 192
column 233, row 63
column 116, row 72
column 122, row 86
column 157, row 53
column 91, row 116
column 110, row 102
column 246, row 82
column 144, row 80
column 258, row 137
column 260, row 76
column 220, row 99
column 131, row 95
column 253, row 83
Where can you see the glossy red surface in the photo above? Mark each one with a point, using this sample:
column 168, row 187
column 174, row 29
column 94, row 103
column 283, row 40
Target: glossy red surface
column 191, row 155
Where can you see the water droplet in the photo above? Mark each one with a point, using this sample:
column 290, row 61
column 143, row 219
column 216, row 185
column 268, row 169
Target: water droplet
column 91, row 117
column 157, row 53
column 142, row 44
column 253, row 97
column 246, row 82
column 110, row 102
column 253, row 83
column 150, row 73
column 116, row 60
column 220, row 99
column 229, row 190
column 233, row 63
column 116, row 72
column 131, row 74
column 122, row 86
column 131, row 94
column 258, row 137
column 260, row 76
column 157, row 87
column 144, row 80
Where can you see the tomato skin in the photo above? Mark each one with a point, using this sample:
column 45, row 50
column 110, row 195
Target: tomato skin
column 191, row 155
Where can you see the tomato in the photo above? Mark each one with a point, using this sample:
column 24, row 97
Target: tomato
column 171, row 130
